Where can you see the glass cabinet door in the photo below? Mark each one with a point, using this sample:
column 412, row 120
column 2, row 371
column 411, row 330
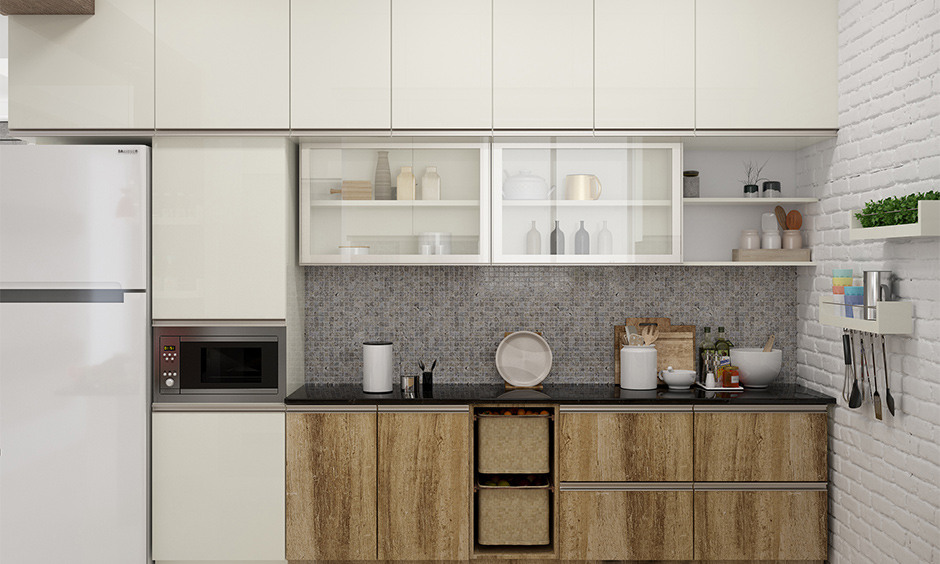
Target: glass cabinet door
column 347, row 216
column 586, row 203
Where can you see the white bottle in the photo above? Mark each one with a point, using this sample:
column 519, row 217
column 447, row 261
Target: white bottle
column 431, row 184
column 406, row 184
column 605, row 241
column 533, row 241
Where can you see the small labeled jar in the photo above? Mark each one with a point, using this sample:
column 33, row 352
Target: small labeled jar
column 771, row 189
column 770, row 240
column 690, row 184
column 749, row 240
column 792, row 239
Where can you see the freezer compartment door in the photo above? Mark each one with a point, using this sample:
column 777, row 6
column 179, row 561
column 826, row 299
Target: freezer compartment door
column 74, row 411
column 74, row 215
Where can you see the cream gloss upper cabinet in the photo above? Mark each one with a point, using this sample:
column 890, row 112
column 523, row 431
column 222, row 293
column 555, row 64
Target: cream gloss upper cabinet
column 442, row 64
column 340, row 64
column 222, row 227
column 543, row 64
column 766, row 64
column 223, row 64
column 83, row 72
column 644, row 64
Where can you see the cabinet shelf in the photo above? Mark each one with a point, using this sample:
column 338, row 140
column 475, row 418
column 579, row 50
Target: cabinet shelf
column 893, row 318
column 746, row 201
column 740, row 263
column 585, row 203
column 395, row 204
column 928, row 225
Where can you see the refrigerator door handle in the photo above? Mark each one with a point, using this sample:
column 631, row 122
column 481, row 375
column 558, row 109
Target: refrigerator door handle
column 73, row 296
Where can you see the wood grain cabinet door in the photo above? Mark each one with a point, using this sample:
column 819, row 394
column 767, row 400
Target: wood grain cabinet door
column 625, row 525
column 424, row 484
column 617, row 445
column 761, row 525
column 760, row 447
column 331, row 486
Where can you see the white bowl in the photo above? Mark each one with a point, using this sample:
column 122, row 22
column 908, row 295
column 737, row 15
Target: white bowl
column 678, row 379
column 756, row 368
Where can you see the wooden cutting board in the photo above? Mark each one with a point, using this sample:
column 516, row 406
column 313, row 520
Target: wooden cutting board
column 675, row 346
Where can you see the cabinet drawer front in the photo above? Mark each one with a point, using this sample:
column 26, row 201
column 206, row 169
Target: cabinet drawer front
column 760, row 447
column 625, row 525
column 622, row 447
column 761, row 525
column 331, row 486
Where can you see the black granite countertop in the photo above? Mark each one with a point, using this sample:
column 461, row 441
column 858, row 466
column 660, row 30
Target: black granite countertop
column 586, row 394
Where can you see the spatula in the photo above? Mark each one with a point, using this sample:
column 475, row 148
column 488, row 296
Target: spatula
column 875, row 398
column 855, row 398
column 888, row 399
column 781, row 216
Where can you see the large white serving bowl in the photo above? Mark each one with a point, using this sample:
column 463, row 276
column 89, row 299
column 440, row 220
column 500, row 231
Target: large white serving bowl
column 756, row 368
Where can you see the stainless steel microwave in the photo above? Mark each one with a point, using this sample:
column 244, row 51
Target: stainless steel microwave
column 219, row 364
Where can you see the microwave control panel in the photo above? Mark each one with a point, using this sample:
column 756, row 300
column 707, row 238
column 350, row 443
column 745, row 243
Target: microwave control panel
column 168, row 372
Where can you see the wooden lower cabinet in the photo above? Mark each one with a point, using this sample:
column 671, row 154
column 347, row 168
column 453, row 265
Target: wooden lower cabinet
column 331, row 488
column 625, row 446
column 625, row 525
column 761, row 447
column 424, row 485
column 761, row 525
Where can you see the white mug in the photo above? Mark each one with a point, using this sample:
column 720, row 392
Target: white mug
column 581, row 187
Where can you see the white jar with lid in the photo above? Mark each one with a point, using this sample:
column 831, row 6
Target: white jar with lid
column 749, row 240
column 770, row 240
column 638, row 367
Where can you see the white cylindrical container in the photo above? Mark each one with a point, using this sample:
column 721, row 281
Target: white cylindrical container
column 749, row 240
column 638, row 368
column 770, row 240
column 377, row 367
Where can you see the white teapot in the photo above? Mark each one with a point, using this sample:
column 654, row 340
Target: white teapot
column 525, row 186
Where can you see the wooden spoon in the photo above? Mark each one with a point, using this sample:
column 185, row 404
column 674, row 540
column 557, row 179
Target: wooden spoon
column 770, row 344
column 781, row 216
column 794, row 220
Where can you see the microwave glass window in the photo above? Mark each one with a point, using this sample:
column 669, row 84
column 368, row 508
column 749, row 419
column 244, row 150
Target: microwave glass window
column 230, row 365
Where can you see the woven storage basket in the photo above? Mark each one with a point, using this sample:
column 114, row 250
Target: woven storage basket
column 513, row 516
column 512, row 444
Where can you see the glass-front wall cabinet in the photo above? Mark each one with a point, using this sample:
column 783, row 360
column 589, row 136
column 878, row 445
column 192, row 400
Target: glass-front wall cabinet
column 586, row 203
column 394, row 202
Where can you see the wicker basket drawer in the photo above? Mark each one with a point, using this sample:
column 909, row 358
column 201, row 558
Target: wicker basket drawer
column 513, row 516
column 517, row 444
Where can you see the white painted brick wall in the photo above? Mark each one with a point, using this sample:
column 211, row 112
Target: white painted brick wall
column 885, row 476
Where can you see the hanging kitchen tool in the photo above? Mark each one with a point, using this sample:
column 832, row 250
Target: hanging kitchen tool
column 884, row 357
column 847, row 353
column 855, row 398
column 875, row 398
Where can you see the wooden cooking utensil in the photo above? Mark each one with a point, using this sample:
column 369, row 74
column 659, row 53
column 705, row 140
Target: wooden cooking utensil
column 781, row 216
column 794, row 220
column 770, row 344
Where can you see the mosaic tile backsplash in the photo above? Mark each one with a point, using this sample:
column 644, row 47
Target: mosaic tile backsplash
column 458, row 314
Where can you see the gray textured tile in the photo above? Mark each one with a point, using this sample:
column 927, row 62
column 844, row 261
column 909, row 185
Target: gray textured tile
column 458, row 314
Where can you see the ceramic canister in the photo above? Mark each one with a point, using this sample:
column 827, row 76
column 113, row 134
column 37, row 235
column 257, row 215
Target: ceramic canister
column 377, row 367
column 638, row 368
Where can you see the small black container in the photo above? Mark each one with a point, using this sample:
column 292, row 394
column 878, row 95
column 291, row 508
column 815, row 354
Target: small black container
column 427, row 384
column 771, row 189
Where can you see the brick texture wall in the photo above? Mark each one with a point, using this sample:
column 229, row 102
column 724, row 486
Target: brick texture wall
column 885, row 475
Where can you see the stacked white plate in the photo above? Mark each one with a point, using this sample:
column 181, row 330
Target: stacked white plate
column 523, row 359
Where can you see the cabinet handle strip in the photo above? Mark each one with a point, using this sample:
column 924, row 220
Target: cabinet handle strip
column 801, row 408
column 625, row 409
column 331, row 408
column 760, row 486
column 220, row 407
column 424, row 409
column 625, row 486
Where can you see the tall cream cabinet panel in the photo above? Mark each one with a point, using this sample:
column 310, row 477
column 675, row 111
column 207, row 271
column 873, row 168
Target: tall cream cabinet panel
column 644, row 64
column 83, row 72
column 543, row 64
column 766, row 64
column 442, row 64
column 340, row 64
column 218, row 486
column 222, row 64
column 221, row 227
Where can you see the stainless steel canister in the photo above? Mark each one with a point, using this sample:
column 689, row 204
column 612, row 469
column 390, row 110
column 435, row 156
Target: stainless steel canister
column 877, row 289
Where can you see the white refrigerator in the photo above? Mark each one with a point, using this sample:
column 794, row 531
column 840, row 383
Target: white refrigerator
column 74, row 353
